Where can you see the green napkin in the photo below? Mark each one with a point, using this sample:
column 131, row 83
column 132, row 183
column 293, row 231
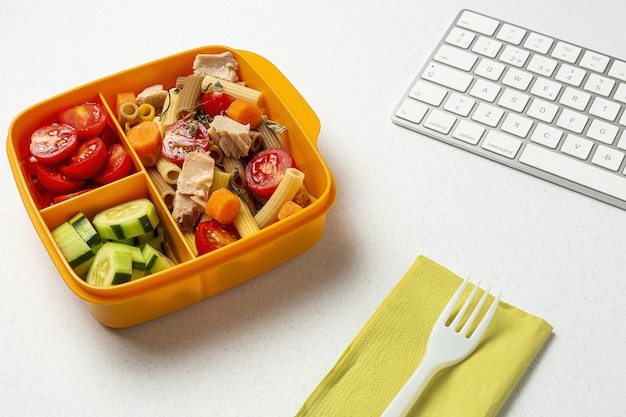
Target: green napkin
column 390, row 346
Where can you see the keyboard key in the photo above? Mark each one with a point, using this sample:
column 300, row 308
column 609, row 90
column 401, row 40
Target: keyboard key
column 546, row 136
column 412, row 110
column 485, row 90
column 599, row 85
column 602, row 131
column 578, row 172
column 620, row 93
column 542, row 110
column 577, row 147
column 459, row 104
column 604, row 108
column 517, row 125
column 488, row 115
column 455, row 57
column 572, row 121
column 607, row 158
column 542, row 65
column 468, row 132
column 489, row 69
column 618, row 70
column 440, row 122
column 478, row 23
column 448, row 77
column 566, row 52
column 576, row 99
column 501, row 144
column 594, row 61
column 459, row 37
column 545, row 88
column 514, row 56
column 570, row 75
column 517, row 79
column 428, row 93
column 538, row 43
column 511, row 34
column 513, row 100
column 487, row 47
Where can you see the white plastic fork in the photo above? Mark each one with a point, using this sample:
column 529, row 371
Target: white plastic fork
column 446, row 346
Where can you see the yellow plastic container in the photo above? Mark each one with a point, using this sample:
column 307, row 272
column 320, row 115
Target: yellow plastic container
column 193, row 278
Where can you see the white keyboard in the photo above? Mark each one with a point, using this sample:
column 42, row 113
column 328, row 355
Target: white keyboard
column 529, row 101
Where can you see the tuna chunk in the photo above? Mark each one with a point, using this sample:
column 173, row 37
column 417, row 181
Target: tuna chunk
column 223, row 66
column 231, row 136
column 192, row 189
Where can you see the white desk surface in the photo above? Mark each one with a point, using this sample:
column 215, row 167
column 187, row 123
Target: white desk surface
column 261, row 348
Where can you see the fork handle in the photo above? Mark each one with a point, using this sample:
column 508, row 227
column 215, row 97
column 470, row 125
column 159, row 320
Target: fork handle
column 410, row 392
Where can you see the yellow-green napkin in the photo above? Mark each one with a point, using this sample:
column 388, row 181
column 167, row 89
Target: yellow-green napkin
column 390, row 346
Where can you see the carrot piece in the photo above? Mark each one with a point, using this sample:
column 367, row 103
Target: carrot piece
column 288, row 209
column 245, row 112
column 223, row 205
column 124, row 97
column 145, row 138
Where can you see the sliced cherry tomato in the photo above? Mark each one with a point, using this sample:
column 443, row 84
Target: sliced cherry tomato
column 60, row 198
column 216, row 102
column 55, row 182
column 88, row 119
column 86, row 160
column 266, row 169
column 53, row 143
column 118, row 165
column 211, row 235
column 182, row 137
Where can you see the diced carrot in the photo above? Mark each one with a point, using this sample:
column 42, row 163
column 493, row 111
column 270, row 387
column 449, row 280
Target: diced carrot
column 245, row 112
column 223, row 205
column 121, row 98
column 145, row 138
column 288, row 209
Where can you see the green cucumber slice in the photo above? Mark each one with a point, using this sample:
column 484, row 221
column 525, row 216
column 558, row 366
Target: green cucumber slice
column 141, row 239
column 156, row 261
column 111, row 266
column 135, row 252
column 127, row 220
column 75, row 250
column 85, row 229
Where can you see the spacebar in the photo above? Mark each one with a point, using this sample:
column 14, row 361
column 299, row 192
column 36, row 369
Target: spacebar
column 575, row 171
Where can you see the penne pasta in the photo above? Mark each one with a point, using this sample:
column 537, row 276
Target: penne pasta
column 146, row 112
column 168, row 170
column 270, row 139
column 221, row 179
column 244, row 221
column 257, row 141
column 216, row 153
column 235, row 167
column 129, row 111
column 166, row 190
column 189, row 96
column 170, row 107
column 286, row 190
column 232, row 89
column 190, row 238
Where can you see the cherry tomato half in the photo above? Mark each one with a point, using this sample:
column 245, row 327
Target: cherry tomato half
column 266, row 169
column 182, row 137
column 86, row 160
column 55, row 182
column 118, row 165
column 53, row 143
column 211, row 235
column 89, row 119
column 216, row 102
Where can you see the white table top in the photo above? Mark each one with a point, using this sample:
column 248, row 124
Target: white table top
column 261, row 348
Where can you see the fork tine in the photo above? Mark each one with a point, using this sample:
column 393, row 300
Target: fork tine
column 472, row 317
column 484, row 323
column 447, row 312
column 464, row 308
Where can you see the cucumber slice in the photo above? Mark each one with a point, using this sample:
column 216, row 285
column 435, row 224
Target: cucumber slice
column 156, row 261
column 111, row 266
column 75, row 250
column 135, row 252
column 141, row 239
column 127, row 220
column 85, row 229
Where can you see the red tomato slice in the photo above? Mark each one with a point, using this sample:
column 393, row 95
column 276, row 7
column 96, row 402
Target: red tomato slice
column 88, row 119
column 86, row 160
column 55, row 182
column 211, row 235
column 182, row 137
column 216, row 102
column 53, row 143
column 118, row 165
column 266, row 169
